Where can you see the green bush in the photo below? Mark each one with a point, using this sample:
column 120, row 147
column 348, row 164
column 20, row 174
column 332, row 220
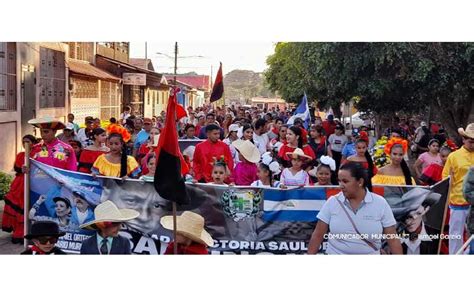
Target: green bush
column 5, row 182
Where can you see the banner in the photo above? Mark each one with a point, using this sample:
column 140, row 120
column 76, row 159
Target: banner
column 242, row 220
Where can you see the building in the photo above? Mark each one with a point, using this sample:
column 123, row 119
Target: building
column 201, row 85
column 268, row 103
column 93, row 91
column 145, row 91
column 33, row 83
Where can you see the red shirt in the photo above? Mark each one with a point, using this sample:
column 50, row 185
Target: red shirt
column 204, row 156
column 329, row 127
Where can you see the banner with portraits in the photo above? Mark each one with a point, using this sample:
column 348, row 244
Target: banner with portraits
column 241, row 220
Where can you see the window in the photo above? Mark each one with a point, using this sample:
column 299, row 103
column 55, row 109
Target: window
column 7, row 76
column 52, row 82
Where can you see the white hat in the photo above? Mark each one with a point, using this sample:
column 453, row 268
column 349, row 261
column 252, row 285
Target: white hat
column 298, row 153
column 69, row 126
column 108, row 212
column 423, row 123
column 190, row 225
column 469, row 132
column 233, row 128
column 248, row 150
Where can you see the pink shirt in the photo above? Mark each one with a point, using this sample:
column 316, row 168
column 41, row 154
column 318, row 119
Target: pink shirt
column 427, row 159
column 57, row 154
column 245, row 173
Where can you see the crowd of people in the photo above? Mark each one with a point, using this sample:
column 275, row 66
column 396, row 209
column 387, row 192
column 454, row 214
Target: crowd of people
column 256, row 147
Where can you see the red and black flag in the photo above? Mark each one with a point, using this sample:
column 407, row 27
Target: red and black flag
column 218, row 88
column 170, row 164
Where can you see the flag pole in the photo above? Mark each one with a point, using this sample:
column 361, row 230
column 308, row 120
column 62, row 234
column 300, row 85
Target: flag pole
column 26, row 196
column 175, row 232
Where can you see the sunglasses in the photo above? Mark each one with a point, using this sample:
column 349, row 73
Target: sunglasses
column 45, row 239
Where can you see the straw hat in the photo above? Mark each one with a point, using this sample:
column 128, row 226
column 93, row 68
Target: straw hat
column 47, row 122
column 469, row 132
column 108, row 212
column 248, row 150
column 298, row 153
column 190, row 225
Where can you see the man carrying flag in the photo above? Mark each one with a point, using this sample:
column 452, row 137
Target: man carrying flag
column 302, row 112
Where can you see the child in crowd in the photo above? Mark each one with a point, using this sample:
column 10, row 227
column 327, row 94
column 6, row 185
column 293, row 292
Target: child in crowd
column 295, row 175
column 245, row 172
column 268, row 172
column 191, row 238
column 325, row 170
column 44, row 235
column 219, row 172
column 151, row 167
column 108, row 222
column 432, row 174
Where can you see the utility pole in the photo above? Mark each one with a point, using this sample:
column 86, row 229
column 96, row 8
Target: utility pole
column 175, row 61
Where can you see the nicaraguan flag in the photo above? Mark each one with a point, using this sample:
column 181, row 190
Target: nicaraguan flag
column 301, row 112
column 299, row 205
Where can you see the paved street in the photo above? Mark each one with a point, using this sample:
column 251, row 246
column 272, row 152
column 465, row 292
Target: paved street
column 6, row 247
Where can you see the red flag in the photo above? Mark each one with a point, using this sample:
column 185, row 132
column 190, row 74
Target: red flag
column 180, row 112
column 170, row 164
column 218, row 88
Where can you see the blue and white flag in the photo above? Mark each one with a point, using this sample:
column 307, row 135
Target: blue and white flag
column 299, row 205
column 301, row 112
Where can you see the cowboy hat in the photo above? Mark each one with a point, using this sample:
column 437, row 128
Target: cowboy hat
column 190, row 225
column 44, row 228
column 298, row 153
column 469, row 132
column 248, row 150
column 47, row 122
column 108, row 212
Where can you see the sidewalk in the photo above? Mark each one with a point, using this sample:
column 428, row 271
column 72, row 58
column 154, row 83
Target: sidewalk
column 6, row 247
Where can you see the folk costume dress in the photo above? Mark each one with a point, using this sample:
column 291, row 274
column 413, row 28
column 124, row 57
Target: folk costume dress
column 12, row 219
column 57, row 154
column 87, row 159
column 105, row 168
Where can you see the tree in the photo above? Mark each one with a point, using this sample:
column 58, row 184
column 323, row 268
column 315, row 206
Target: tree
column 386, row 78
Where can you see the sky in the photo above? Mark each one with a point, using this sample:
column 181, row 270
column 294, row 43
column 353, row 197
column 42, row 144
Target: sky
column 201, row 56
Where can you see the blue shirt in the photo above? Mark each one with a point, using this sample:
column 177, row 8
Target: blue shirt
column 109, row 242
column 142, row 137
column 349, row 150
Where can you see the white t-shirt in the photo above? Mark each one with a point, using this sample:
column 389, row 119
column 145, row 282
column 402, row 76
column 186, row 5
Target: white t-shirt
column 337, row 142
column 261, row 141
column 259, row 183
column 373, row 215
column 301, row 178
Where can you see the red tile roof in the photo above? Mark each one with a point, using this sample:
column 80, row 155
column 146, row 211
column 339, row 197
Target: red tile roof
column 87, row 69
column 196, row 81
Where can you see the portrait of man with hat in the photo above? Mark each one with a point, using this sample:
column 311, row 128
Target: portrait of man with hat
column 44, row 235
column 457, row 166
column 51, row 150
column 107, row 224
column 192, row 238
column 409, row 210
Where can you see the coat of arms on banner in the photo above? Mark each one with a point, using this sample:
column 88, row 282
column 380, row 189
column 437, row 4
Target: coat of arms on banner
column 241, row 204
